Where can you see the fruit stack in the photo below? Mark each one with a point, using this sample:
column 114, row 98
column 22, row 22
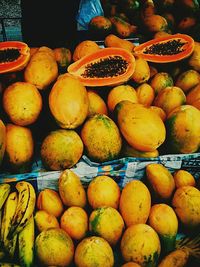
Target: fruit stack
column 148, row 222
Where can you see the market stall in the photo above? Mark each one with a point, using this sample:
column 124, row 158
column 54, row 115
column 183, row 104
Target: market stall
column 100, row 141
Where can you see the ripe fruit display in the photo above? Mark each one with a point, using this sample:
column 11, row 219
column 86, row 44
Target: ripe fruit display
column 14, row 56
column 100, row 142
column 141, row 231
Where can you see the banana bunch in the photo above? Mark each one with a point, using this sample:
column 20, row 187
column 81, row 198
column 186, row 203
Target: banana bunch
column 17, row 222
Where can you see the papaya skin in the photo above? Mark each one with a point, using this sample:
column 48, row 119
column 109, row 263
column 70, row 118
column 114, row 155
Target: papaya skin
column 183, row 129
column 112, row 40
column 161, row 181
column 135, row 203
column 142, row 128
column 164, row 221
column 140, row 243
column 177, row 258
column 186, row 204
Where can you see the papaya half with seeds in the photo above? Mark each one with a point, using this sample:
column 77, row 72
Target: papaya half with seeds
column 14, row 56
column 166, row 49
column 105, row 67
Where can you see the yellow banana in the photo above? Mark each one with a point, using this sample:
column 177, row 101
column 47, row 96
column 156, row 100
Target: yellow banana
column 24, row 209
column 4, row 192
column 26, row 240
column 8, row 214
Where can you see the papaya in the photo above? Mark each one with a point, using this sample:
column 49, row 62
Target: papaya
column 96, row 69
column 193, row 96
column 84, row 48
column 68, row 102
column 96, row 103
column 148, row 9
column 183, row 129
column 14, row 56
column 71, row 189
column 160, row 81
column 166, row 49
column 186, row 204
column 145, row 94
column 186, row 80
column 119, row 93
column 122, row 28
column 19, row 148
column 140, row 243
column 186, row 24
column 61, row 149
column 129, row 151
column 135, row 203
column 176, row 258
column 113, row 40
column 183, row 177
column 63, row 57
column 159, row 111
column 142, row 70
column 170, row 98
column 194, row 59
column 101, row 138
column 163, row 220
column 161, row 182
column 42, row 69
column 100, row 25
column 155, row 23
column 142, row 128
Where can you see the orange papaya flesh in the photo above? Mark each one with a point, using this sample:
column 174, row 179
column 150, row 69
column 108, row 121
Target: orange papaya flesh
column 166, row 49
column 107, row 66
column 14, row 55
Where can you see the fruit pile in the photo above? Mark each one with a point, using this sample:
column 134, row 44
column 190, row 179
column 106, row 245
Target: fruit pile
column 103, row 224
column 147, row 109
column 147, row 18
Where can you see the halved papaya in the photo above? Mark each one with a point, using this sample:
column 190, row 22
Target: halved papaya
column 107, row 66
column 14, row 55
column 166, row 49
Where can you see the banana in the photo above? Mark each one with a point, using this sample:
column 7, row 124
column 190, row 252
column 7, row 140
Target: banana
column 24, row 209
column 26, row 240
column 4, row 192
column 8, row 214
